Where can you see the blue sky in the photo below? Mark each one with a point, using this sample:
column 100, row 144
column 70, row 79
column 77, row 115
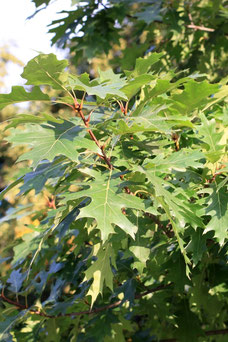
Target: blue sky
column 26, row 38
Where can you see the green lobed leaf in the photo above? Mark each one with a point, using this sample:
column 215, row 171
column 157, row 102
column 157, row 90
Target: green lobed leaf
column 50, row 140
column 144, row 64
column 45, row 70
column 193, row 96
column 18, row 94
column 28, row 118
column 135, row 84
column 176, row 161
column 44, row 172
column 103, row 90
column 107, row 202
column 101, row 270
column 108, row 76
column 15, row 280
column 180, row 208
column 150, row 123
column 211, row 138
column 217, row 203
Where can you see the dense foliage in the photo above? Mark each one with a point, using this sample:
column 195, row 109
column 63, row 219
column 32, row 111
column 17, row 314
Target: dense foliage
column 137, row 220
column 191, row 34
column 130, row 243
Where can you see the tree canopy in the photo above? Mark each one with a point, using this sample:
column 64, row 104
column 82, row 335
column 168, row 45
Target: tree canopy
column 131, row 241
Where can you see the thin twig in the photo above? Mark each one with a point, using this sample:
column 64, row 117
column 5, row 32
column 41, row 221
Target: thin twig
column 104, row 308
column 78, row 109
column 164, row 229
column 201, row 28
column 80, row 313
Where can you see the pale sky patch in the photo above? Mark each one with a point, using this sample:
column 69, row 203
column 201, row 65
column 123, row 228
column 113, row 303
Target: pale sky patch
column 26, row 38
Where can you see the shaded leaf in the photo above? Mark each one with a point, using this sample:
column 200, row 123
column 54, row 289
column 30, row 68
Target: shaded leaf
column 186, row 320
column 142, row 254
column 128, row 289
column 15, row 280
column 197, row 245
column 37, row 178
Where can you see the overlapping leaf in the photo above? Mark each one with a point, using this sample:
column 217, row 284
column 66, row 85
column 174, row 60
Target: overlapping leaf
column 177, row 161
column 103, row 90
column 150, row 123
column 180, row 208
column 194, row 96
column 178, row 211
column 211, row 138
column 50, row 140
column 101, row 270
column 107, row 202
column 37, row 178
column 217, row 204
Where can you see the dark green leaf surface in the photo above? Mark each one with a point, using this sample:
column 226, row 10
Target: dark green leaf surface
column 128, row 237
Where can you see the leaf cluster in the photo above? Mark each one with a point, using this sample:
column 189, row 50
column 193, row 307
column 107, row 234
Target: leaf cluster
column 193, row 34
column 132, row 242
